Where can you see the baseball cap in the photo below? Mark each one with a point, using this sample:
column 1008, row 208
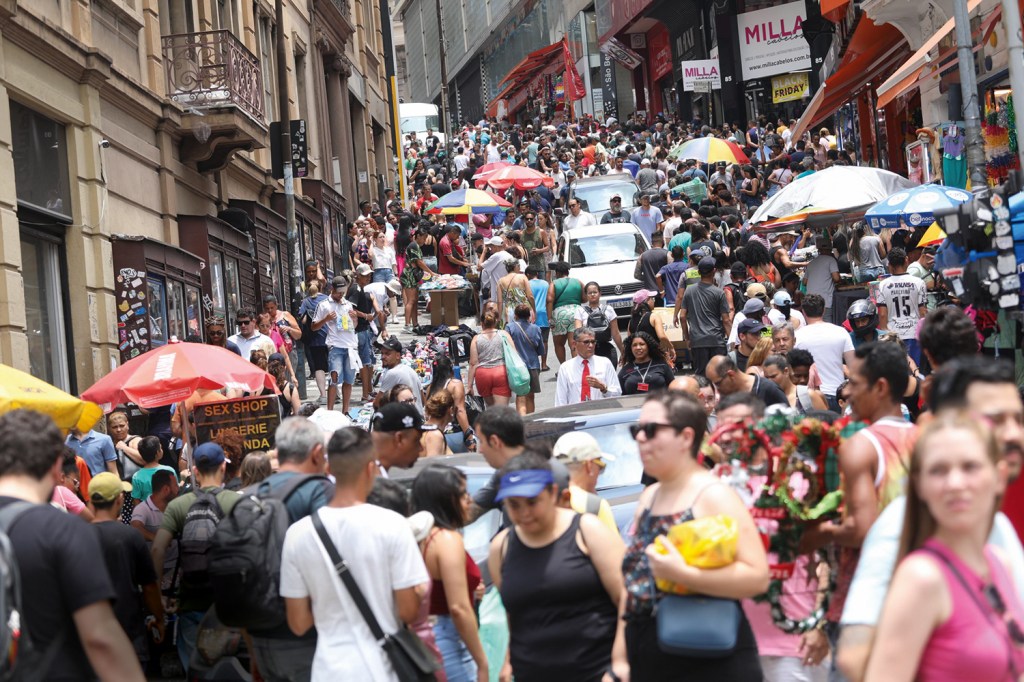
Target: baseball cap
column 568, row 173
column 615, row 196
column 782, row 298
column 393, row 344
column 339, row 282
column 209, row 453
column 364, row 270
column 754, row 306
column 645, row 162
column 394, row 286
column 476, row 237
column 642, row 295
column 526, row 483
column 106, row 487
column 751, row 326
column 578, row 446
column 398, row 417
column 494, row 241
column 706, row 265
column 275, row 356
column 757, row 290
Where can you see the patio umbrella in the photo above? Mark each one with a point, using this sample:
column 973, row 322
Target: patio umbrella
column 932, row 236
column 914, row 207
column 810, row 216
column 466, row 201
column 839, row 188
column 709, row 150
column 519, row 177
column 173, row 372
column 19, row 390
column 489, row 168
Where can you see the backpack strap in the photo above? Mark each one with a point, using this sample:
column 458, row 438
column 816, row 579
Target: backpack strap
column 10, row 513
column 285, row 491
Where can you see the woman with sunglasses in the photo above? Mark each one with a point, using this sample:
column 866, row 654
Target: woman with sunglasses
column 645, row 369
column 669, row 433
column 949, row 587
column 559, row 576
column 441, row 490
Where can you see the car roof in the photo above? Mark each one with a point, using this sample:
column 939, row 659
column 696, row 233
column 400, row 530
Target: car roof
column 602, row 230
column 470, row 463
column 615, row 179
column 555, row 421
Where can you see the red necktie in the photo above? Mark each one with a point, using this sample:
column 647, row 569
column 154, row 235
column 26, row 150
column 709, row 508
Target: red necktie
column 585, row 387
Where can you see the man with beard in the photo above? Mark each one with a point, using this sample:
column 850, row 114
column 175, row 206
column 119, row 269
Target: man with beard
column 979, row 385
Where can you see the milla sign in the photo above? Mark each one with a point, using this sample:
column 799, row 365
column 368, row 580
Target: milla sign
column 772, row 41
column 705, row 70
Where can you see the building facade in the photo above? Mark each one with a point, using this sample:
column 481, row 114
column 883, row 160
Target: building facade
column 137, row 198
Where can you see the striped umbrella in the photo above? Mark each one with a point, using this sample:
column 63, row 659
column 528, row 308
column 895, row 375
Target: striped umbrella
column 519, row 177
column 709, row 150
column 466, row 201
column 913, row 207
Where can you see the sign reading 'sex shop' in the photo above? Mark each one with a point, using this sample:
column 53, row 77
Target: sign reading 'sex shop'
column 255, row 419
column 772, row 41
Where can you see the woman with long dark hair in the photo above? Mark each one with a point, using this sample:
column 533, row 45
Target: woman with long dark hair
column 441, row 490
column 644, row 368
column 950, row 586
column 642, row 319
column 460, row 431
column 867, row 250
column 750, row 189
column 759, row 265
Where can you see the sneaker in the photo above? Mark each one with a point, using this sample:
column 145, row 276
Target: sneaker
column 409, row 329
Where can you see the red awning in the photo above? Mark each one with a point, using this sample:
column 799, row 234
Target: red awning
column 873, row 50
column 537, row 63
column 833, row 10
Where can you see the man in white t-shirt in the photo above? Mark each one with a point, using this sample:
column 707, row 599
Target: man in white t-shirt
column 336, row 313
column 830, row 345
column 577, row 216
column 381, row 555
column 823, row 273
column 982, row 386
column 902, row 302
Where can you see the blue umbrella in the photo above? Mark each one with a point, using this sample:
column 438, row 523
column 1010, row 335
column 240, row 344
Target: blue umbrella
column 914, row 207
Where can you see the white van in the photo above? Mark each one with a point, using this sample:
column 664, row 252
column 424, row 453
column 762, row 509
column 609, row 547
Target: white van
column 416, row 117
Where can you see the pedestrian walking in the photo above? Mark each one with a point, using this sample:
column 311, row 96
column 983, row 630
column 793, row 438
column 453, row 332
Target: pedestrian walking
column 487, row 374
column 529, row 344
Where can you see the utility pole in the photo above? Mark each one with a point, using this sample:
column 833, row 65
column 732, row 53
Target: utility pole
column 286, row 159
column 969, row 91
column 445, row 122
column 1015, row 51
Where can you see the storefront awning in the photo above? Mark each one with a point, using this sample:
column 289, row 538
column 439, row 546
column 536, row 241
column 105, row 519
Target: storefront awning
column 833, row 10
column 907, row 76
column 537, row 63
column 873, row 50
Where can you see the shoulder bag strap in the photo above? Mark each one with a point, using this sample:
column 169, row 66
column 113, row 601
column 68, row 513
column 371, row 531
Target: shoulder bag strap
column 346, row 578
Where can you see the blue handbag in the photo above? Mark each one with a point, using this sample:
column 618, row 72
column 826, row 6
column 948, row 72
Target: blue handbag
column 698, row 626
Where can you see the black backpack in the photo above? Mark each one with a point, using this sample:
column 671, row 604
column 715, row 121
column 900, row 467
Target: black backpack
column 245, row 557
column 22, row 662
column 598, row 322
column 195, row 541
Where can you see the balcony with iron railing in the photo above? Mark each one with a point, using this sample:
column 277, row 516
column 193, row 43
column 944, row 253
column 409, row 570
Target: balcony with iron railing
column 219, row 85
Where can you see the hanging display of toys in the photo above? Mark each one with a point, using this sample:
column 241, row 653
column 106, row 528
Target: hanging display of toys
column 1000, row 135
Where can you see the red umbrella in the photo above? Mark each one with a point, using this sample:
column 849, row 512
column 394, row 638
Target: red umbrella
column 172, row 373
column 519, row 177
column 489, row 168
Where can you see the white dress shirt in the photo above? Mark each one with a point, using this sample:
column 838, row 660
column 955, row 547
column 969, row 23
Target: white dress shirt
column 570, row 380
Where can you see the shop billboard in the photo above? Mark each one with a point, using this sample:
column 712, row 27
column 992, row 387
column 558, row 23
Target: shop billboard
column 701, row 70
column 790, row 87
column 772, row 41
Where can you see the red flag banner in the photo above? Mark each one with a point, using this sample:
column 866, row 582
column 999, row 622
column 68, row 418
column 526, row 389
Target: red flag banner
column 574, row 88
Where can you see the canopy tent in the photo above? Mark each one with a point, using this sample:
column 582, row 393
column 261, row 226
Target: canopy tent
column 545, row 61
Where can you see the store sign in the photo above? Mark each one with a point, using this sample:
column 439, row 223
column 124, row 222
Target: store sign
column 701, row 70
column 772, row 41
column 609, row 97
column 255, row 419
column 659, row 53
column 620, row 53
column 790, row 88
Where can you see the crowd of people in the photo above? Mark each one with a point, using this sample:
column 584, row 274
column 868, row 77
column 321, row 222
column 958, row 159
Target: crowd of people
column 917, row 576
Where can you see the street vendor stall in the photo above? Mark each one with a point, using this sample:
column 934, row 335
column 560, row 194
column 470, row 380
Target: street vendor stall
column 444, row 298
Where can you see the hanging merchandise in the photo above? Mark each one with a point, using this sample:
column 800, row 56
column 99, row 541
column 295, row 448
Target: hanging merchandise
column 954, row 157
column 1000, row 149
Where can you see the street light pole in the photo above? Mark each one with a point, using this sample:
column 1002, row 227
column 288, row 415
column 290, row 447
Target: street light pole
column 445, row 123
column 969, row 93
column 286, row 158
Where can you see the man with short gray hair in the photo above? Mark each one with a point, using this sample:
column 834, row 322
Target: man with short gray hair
column 301, row 484
column 586, row 376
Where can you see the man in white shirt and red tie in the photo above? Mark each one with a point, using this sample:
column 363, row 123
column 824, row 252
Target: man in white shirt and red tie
column 586, row 376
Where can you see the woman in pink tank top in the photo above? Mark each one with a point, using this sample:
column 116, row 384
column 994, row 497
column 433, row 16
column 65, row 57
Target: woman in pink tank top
column 952, row 612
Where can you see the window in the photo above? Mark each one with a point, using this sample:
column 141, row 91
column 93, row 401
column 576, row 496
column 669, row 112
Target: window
column 267, row 67
column 157, row 310
column 307, row 240
column 193, row 310
column 232, row 288
column 276, row 280
column 42, row 274
column 300, row 84
column 220, row 308
column 176, row 17
column 176, row 325
column 40, row 162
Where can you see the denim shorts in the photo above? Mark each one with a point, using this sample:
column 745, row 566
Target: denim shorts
column 337, row 363
column 366, row 355
column 383, row 275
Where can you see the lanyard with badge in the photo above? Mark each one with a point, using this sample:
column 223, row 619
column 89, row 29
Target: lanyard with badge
column 643, row 385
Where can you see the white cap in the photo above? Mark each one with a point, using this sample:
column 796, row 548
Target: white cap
column 495, row 241
column 578, row 446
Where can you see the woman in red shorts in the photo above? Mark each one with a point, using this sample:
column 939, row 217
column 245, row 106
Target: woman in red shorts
column 487, row 362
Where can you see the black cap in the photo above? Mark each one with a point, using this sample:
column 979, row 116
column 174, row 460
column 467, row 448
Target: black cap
column 340, row 282
column 391, row 343
column 398, row 417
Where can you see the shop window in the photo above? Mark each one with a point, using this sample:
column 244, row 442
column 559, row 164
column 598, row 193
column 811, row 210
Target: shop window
column 193, row 310
column 176, row 324
column 43, row 276
column 220, row 308
column 276, row 279
column 232, row 287
column 307, row 240
column 40, row 162
column 157, row 310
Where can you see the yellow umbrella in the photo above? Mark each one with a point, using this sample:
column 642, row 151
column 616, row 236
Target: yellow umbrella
column 932, row 236
column 19, row 390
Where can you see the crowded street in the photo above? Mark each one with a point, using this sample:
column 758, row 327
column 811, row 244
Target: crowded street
column 512, row 340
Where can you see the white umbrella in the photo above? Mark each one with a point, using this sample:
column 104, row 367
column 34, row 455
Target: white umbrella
column 839, row 188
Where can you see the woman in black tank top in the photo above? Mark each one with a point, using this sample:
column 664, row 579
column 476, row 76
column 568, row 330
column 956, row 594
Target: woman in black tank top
column 559, row 577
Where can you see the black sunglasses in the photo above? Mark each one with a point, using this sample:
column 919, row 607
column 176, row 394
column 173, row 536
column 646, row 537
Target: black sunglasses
column 995, row 600
column 650, row 429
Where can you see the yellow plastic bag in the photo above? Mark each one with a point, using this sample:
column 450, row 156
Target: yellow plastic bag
column 708, row 542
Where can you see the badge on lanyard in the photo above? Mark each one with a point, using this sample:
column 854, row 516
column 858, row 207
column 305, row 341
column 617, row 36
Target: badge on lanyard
column 643, row 387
